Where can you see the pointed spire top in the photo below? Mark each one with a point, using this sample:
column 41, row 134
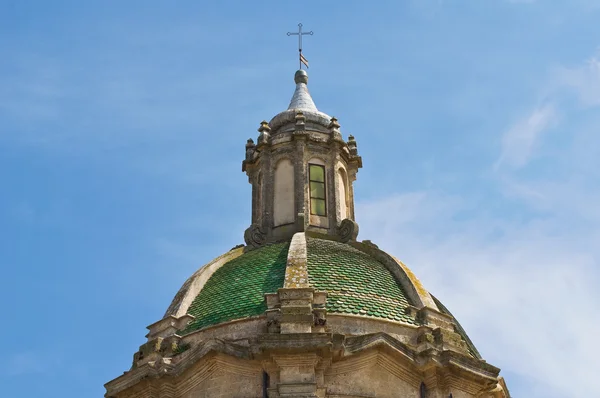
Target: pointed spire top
column 301, row 102
column 301, row 98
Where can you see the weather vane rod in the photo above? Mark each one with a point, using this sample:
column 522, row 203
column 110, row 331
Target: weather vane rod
column 300, row 33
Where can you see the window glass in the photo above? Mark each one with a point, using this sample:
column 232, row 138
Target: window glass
column 316, row 177
column 317, row 173
column 317, row 206
column 317, row 190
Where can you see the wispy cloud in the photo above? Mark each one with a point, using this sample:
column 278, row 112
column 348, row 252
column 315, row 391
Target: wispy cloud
column 524, row 291
column 520, row 140
column 524, row 287
column 584, row 80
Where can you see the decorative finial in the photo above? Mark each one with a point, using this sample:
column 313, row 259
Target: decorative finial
column 264, row 131
column 300, row 120
column 300, row 33
column 352, row 145
column 301, row 77
column 334, row 123
column 264, row 126
column 334, row 129
column 250, row 149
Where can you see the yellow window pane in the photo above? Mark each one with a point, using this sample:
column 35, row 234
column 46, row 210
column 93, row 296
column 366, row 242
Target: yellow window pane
column 317, row 206
column 317, row 173
column 317, row 190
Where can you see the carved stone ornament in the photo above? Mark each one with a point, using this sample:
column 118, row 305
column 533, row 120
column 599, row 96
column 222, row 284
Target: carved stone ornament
column 250, row 150
column 264, row 130
column 348, row 230
column 255, row 236
column 352, row 146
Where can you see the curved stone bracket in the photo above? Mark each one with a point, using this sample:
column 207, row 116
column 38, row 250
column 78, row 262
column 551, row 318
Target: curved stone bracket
column 255, row 236
column 347, row 230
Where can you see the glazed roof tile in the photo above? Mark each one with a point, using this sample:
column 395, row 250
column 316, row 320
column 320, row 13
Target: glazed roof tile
column 355, row 282
column 236, row 290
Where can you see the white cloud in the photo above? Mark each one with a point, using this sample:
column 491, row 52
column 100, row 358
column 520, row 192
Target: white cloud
column 526, row 293
column 525, row 287
column 520, row 140
column 584, row 80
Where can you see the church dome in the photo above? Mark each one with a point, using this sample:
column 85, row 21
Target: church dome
column 359, row 281
column 304, row 308
column 350, row 279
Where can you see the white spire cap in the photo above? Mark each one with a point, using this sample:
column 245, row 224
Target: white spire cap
column 301, row 98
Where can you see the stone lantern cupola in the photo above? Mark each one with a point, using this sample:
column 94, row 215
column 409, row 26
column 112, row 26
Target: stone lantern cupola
column 302, row 173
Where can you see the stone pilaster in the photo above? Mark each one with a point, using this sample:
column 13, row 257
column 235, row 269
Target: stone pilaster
column 296, row 307
column 297, row 375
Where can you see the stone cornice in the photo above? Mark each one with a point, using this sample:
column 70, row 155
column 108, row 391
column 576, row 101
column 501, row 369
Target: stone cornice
column 175, row 366
column 340, row 354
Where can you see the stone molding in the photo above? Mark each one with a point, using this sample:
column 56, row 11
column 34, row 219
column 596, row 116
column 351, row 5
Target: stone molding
column 301, row 363
column 296, row 310
column 170, row 366
column 423, row 294
column 296, row 271
column 409, row 282
column 168, row 326
column 192, row 286
column 296, row 307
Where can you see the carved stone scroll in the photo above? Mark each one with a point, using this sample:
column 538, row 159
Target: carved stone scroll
column 255, row 236
column 348, row 230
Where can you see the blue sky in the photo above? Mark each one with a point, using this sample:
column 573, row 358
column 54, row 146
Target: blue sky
column 122, row 130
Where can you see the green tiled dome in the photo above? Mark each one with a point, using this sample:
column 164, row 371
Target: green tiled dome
column 355, row 282
column 236, row 290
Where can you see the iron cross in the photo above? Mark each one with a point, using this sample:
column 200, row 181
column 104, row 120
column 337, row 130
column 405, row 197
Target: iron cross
column 300, row 33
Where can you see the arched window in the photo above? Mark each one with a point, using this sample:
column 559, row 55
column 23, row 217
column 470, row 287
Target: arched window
column 316, row 178
column 283, row 206
column 342, row 193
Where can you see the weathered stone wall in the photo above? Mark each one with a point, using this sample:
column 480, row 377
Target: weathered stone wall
column 225, row 384
column 372, row 373
column 373, row 381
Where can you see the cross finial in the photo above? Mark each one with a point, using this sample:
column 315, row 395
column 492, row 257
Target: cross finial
column 300, row 33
